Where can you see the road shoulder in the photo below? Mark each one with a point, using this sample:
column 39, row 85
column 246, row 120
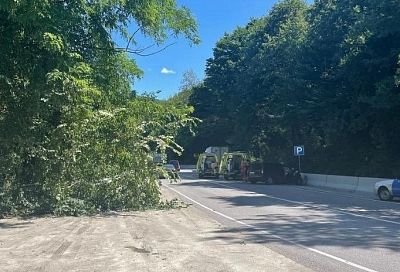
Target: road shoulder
column 184, row 239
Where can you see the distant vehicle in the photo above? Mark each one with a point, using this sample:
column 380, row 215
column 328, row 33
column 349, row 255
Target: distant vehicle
column 207, row 165
column 255, row 172
column 272, row 173
column 176, row 164
column 170, row 170
column 217, row 150
column 230, row 166
column 387, row 189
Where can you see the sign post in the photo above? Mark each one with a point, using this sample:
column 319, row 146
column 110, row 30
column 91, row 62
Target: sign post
column 298, row 151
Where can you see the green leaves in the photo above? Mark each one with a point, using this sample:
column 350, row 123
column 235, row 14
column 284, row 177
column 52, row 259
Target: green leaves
column 53, row 43
column 324, row 75
column 74, row 138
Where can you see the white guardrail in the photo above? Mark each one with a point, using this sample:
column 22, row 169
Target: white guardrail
column 348, row 183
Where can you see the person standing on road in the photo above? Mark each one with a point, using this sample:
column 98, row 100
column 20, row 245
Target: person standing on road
column 244, row 166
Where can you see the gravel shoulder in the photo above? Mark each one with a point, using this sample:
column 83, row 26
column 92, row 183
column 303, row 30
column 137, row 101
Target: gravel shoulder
column 184, row 239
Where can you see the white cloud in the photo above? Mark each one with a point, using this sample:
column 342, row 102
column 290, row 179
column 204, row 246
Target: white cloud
column 167, row 71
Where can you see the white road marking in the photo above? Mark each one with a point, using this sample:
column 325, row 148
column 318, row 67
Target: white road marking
column 273, row 235
column 316, row 206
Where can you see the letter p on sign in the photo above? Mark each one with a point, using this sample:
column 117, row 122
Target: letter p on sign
column 299, row 150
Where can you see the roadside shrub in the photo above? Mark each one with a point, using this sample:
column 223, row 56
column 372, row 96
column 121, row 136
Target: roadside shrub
column 75, row 138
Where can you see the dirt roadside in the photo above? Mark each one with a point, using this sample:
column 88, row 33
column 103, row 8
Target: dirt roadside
column 172, row 240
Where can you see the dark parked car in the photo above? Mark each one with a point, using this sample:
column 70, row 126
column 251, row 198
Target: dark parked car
column 176, row 164
column 272, row 173
column 254, row 172
column 169, row 171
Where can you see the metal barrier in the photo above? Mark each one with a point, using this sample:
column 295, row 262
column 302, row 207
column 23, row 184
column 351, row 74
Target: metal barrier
column 367, row 185
column 363, row 185
column 315, row 179
column 342, row 182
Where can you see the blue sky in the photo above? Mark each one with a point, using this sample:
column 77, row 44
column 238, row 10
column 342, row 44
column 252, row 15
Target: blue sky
column 214, row 18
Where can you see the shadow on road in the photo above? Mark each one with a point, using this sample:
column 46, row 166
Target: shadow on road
column 15, row 225
column 319, row 220
column 335, row 232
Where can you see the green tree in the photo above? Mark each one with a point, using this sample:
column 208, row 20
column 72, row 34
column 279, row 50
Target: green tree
column 73, row 136
column 324, row 75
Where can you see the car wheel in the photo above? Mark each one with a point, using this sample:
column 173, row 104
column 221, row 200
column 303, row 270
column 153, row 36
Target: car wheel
column 384, row 194
column 269, row 181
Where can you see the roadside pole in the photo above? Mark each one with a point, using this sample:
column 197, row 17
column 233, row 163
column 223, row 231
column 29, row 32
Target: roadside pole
column 298, row 151
column 299, row 164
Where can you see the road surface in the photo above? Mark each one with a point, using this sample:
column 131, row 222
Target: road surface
column 322, row 230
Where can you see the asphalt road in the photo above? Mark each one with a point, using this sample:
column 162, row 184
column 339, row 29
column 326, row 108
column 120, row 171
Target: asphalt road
column 322, row 230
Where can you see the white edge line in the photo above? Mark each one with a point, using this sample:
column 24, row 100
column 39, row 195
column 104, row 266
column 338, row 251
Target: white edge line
column 273, row 235
column 315, row 206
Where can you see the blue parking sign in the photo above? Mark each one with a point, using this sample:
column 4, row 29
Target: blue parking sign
column 299, row 150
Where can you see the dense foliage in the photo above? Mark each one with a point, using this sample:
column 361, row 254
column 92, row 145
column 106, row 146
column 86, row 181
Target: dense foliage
column 74, row 138
column 326, row 76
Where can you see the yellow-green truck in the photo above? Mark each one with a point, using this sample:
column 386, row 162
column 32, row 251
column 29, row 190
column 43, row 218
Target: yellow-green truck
column 207, row 165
